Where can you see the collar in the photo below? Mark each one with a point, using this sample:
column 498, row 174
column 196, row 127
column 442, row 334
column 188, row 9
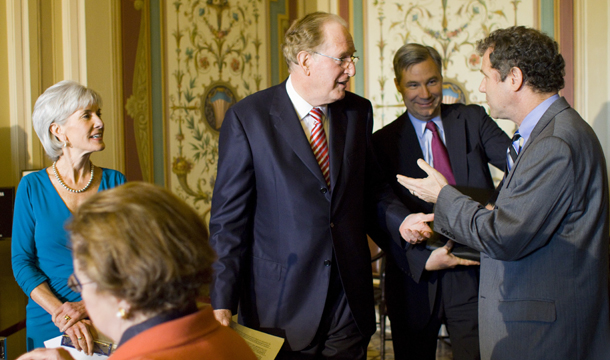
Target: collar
column 530, row 121
column 154, row 321
column 301, row 106
column 420, row 125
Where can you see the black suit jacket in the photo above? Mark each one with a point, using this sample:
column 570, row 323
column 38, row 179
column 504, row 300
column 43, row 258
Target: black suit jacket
column 473, row 140
column 275, row 226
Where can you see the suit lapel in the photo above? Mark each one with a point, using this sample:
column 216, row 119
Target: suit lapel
column 455, row 139
column 337, row 130
column 288, row 125
column 409, row 147
column 558, row 106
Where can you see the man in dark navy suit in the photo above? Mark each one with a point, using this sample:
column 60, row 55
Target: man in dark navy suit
column 298, row 184
column 438, row 287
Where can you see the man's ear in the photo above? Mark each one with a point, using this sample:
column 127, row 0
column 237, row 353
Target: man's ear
column 304, row 60
column 397, row 83
column 515, row 77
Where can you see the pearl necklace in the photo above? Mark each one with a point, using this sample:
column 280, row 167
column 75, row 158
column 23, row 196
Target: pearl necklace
column 66, row 186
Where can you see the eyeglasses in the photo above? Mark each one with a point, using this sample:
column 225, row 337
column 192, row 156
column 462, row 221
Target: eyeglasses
column 75, row 285
column 346, row 60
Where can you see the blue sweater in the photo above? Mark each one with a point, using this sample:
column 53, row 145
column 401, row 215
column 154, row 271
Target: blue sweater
column 40, row 247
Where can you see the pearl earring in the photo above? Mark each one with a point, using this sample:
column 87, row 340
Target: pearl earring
column 121, row 314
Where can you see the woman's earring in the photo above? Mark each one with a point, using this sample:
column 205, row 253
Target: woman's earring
column 65, row 144
column 121, row 314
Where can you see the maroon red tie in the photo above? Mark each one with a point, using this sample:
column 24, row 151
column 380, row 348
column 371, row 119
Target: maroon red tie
column 319, row 144
column 440, row 155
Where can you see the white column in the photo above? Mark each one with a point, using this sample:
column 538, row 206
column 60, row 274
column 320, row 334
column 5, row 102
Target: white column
column 592, row 66
column 74, row 40
column 19, row 86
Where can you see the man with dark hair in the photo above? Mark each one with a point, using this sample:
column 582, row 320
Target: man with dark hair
column 438, row 287
column 297, row 185
column 544, row 263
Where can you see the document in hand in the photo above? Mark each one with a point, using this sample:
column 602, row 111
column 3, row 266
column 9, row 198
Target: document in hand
column 77, row 355
column 264, row 346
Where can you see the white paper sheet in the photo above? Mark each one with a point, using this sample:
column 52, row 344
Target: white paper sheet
column 77, row 355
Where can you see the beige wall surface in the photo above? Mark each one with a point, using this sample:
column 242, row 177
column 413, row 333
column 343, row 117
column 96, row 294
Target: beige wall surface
column 6, row 167
column 104, row 76
column 592, row 60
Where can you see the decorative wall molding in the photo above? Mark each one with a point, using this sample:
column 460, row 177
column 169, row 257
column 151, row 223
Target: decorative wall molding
column 138, row 105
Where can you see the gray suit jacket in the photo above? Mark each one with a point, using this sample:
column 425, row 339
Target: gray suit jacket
column 544, row 267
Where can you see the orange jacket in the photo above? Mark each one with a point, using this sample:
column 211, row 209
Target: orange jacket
column 195, row 336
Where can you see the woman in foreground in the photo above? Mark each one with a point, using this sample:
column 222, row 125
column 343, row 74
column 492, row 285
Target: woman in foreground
column 141, row 260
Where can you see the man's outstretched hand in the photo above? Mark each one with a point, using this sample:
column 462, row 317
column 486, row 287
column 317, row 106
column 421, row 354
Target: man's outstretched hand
column 442, row 258
column 428, row 188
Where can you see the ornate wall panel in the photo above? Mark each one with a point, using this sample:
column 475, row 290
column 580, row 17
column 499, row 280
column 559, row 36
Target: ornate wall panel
column 451, row 27
column 215, row 54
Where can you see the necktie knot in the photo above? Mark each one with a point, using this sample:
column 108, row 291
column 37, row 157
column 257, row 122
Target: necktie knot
column 430, row 125
column 316, row 114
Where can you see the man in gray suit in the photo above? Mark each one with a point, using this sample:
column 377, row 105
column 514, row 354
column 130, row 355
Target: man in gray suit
column 544, row 263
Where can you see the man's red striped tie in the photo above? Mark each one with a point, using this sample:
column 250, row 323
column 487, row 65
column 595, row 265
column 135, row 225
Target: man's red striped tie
column 319, row 144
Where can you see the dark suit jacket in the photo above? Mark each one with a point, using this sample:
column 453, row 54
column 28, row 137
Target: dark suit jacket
column 544, row 264
column 473, row 140
column 275, row 226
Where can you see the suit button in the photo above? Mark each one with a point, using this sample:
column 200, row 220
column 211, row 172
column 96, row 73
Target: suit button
column 326, row 262
column 323, row 190
column 332, row 225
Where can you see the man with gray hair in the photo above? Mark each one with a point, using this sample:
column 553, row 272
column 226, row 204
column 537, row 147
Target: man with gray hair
column 460, row 140
column 544, row 263
column 297, row 186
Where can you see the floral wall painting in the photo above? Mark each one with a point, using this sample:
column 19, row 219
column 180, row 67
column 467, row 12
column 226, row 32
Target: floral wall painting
column 217, row 52
column 214, row 56
column 451, row 27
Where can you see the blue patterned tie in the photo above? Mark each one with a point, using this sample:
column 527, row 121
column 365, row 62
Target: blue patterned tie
column 513, row 151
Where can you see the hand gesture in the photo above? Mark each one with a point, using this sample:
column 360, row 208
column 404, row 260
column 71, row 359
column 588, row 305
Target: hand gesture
column 415, row 228
column 442, row 258
column 428, row 188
